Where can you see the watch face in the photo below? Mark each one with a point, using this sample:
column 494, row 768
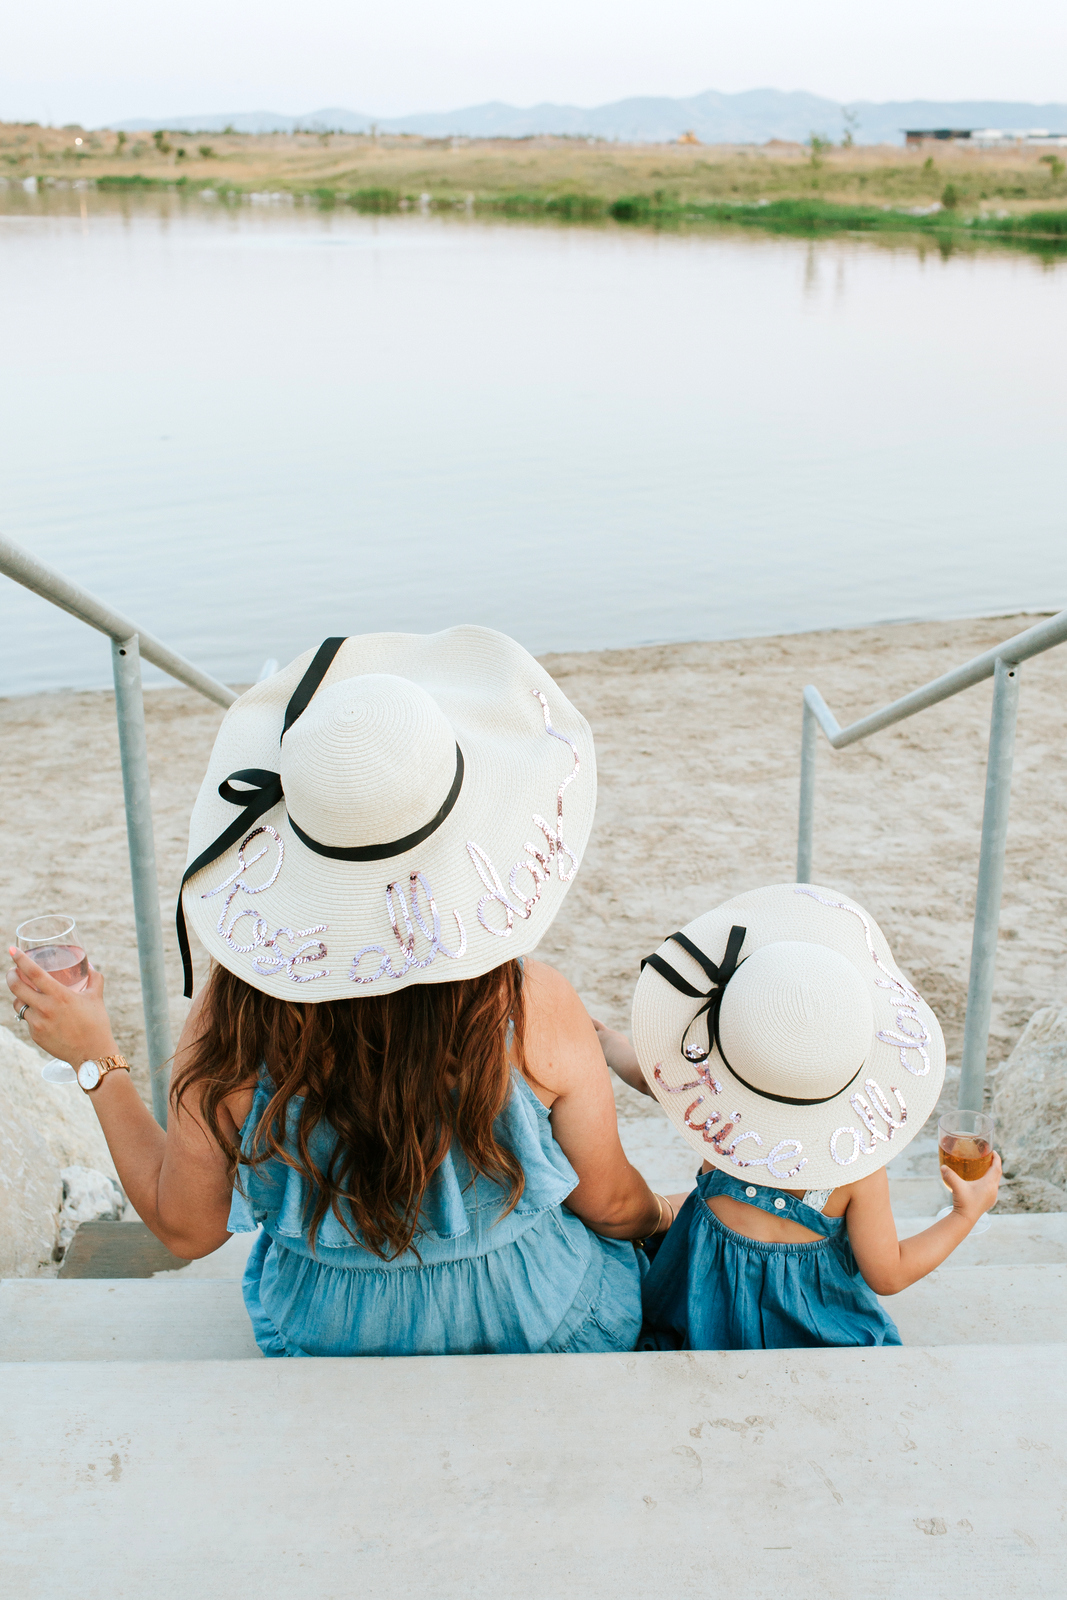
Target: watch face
column 89, row 1074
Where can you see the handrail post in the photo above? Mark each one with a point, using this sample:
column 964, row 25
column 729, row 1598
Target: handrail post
column 805, row 827
column 133, row 747
column 990, row 883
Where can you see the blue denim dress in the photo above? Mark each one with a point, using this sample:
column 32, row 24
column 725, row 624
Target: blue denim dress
column 710, row 1288
column 482, row 1282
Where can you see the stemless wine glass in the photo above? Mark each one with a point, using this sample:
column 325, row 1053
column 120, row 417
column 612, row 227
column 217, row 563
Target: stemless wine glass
column 54, row 944
column 965, row 1145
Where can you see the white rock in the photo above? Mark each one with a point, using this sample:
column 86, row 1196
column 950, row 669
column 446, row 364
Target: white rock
column 30, row 1194
column 1030, row 1104
column 61, row 1113
column 45, row 1129
column 88, row 1196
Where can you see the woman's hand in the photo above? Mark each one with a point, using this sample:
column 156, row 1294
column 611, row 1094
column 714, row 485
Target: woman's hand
column 972, row 1200
column 71, row 1027
column 620, row 1056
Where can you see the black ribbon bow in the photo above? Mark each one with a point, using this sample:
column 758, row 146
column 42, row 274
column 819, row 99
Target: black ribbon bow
column 265, row 791
column 720, row 976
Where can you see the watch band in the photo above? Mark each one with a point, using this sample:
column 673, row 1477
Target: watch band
column 107, row 1064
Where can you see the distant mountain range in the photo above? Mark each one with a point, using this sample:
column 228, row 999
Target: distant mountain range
column 748, row 118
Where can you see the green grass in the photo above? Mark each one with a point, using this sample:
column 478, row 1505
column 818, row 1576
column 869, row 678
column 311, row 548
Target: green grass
column 666, row 209
column 827, row 216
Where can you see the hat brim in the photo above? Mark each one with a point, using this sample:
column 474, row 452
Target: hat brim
column 772, row 1144
column 307, row 927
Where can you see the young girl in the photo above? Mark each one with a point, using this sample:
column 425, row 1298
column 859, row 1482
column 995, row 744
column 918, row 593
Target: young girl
column 788, row 1048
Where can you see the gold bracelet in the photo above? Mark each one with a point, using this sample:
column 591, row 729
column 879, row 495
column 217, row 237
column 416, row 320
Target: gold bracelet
column 659, row 1210
column 674, row 1213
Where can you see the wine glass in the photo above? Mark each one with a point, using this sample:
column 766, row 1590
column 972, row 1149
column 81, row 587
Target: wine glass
column 54, row 944
column 965, row 1144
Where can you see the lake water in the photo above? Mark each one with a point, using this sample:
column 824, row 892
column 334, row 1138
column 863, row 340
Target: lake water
column 252, row 427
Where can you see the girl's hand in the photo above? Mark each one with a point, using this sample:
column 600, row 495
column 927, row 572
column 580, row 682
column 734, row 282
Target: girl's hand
column 620, row 1056
column 972, row 1200
column 71, row 1027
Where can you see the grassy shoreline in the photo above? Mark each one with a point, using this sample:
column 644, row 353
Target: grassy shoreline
column 791, row 216
column 950, row 192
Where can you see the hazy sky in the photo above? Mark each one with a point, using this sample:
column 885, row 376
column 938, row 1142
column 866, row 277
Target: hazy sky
column 72, row 60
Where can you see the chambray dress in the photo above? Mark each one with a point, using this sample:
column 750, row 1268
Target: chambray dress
column 536, row 1279
column 710, row 1288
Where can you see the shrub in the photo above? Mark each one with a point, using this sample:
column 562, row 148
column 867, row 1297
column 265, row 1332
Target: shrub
column 375, row 200
column 950, row 197
column 576, row 207
column 630, row 208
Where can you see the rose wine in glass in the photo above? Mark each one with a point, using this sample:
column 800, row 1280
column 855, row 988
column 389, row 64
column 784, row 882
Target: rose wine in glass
column 965, row 1145
column 52, row 941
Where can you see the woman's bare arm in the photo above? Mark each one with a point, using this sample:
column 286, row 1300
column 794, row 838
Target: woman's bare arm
column 566, row 1068
column 177, row 1181
column 890, row 1264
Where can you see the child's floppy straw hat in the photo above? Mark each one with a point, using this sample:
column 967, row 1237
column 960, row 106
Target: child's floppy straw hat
column 391, row 809
column 784, row 1042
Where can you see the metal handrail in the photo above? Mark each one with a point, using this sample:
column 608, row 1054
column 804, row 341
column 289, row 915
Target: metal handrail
column 1002, row 665
column 17, row 563
column 128, row 644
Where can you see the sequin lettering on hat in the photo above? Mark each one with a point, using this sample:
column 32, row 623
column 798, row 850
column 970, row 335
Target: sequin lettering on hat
column 537, row 862
column 260, row 936
column 717, row 1135
column 905, row 1039
column 865, row 1143
column 394, row 897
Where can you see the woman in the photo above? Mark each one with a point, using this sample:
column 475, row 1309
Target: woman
column 372, row 1075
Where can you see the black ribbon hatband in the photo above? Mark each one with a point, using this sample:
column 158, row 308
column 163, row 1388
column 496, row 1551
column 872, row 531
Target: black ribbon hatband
column 263, row 791
column 720, row 976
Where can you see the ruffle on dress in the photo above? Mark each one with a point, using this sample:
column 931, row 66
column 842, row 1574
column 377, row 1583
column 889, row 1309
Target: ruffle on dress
column 480, row 1279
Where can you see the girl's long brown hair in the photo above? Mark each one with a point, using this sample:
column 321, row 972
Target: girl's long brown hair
column 396, row 1077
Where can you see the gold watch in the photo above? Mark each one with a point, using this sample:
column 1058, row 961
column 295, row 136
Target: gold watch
column 92, row 1073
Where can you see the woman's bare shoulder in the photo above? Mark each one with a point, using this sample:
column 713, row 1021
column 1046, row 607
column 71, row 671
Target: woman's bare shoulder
column 561, row 1041
column 554, row 1010
column 545, row 986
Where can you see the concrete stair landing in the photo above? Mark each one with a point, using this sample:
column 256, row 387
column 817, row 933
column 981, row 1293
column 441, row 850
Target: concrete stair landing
column 147, row 1449
column 812, row 1475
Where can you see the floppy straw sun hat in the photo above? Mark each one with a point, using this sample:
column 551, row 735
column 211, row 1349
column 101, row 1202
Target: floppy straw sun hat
column 409, row 809
column 783, row 1041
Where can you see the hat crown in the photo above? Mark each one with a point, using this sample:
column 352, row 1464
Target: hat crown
column 796, row 1020
column 371, row 759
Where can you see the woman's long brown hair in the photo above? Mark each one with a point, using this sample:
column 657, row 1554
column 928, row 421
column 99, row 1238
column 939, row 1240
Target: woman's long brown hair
column 396, row 1077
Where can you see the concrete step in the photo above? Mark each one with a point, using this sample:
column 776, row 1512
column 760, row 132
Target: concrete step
column 830, row 1475
column 117, row 1250
column 917, row 1197
column 171, row 1318
column 124, row 1319
column 1025, row 1239
column 983, row 1305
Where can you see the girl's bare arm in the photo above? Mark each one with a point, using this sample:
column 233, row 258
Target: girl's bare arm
column 889, row 1264
column 621, row 1057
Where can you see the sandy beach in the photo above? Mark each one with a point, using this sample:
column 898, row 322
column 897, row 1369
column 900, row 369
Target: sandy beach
column 698, row 750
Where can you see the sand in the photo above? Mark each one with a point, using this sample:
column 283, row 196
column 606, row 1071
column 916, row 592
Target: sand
column 698, row 750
